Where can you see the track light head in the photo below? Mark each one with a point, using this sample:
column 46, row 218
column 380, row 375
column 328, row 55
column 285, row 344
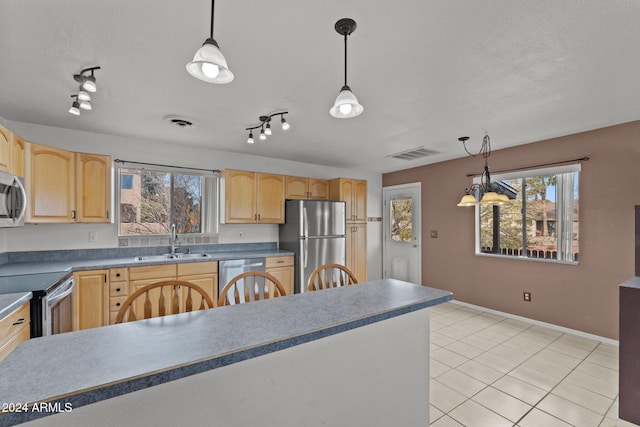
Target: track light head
column 85, row 105
column 263, row 136
column 83, row 95
column 250, row 140
column 285, row 124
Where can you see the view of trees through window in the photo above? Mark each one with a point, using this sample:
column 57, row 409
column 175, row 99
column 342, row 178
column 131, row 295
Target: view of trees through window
column 542, row 221
column 401, row 221
column 150, row 201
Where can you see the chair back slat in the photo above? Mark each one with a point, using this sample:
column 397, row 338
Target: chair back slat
column 171, row 303
column 250, row 286
column 330, row 276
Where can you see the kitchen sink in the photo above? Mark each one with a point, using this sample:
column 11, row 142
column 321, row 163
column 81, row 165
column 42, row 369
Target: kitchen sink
column 170, row 256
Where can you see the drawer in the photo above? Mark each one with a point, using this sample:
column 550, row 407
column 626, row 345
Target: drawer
column 152, row 271
column 13, row 341
column 118, row 274
column 116, row 302
column 279, row 261
column 118, row 289
column 193, row 268
column 14, row 322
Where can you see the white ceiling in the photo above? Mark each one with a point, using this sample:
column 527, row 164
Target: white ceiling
column 426, row 71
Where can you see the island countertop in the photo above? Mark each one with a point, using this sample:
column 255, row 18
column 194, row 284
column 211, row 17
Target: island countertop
column 88, row 366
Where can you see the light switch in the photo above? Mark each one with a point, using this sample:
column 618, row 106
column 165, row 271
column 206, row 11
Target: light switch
column 434, row 234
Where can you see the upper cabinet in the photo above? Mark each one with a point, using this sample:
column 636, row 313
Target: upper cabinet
column 93, row 185
column 252, row 197
column 297, row 187
column 11, row 152
column 354, row 193
column 67, row 187
column 50, row 183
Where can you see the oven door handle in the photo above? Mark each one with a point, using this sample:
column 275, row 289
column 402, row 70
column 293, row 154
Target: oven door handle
column 23, row 192
column 58, row 296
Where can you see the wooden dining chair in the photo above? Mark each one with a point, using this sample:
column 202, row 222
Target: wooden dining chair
column 330, row 276
column 162, row 298
column 250, row 286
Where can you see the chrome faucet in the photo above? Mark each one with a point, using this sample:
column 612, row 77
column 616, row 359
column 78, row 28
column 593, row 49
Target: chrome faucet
column 174, row 239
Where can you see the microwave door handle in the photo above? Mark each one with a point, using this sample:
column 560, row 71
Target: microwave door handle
column 23, row 192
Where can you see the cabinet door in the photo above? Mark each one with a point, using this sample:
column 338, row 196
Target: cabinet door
column 359, row 200
column 270, row 191
column 90, row 299
column 93, row 180
column 318, row 189
column 18, row 148
column 296, row 187
column 6, row 138
column 208, row 282
column 284, row 276
column 346, row 194
column 50, row 183
column 357, row 250
column 154, row 297
column 240, row 196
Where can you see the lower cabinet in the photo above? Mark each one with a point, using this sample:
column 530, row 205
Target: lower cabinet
column 90, row 299
column 203, row 274
column 357, row 250
column 282, row 269
column 14, row 329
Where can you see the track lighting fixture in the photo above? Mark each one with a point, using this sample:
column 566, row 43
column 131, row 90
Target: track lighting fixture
column 75, row 107
column 265, row 126
column 83, row 95
column 209, row 64
column 87, row 83
column 346, row 105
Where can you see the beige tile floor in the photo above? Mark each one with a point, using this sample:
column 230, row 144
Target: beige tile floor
column 493, row 371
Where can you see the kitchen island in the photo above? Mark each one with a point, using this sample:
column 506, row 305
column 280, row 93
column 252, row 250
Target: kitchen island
column 356, row 355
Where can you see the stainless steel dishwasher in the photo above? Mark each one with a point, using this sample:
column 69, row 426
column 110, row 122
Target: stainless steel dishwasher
column 228, row 269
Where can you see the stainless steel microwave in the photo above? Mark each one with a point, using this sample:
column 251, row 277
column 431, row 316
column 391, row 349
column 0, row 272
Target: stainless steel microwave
column 13, row 200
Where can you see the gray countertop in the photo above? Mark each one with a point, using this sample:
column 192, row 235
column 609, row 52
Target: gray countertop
column 38, row 276
column 91, row 365
column 9, row 302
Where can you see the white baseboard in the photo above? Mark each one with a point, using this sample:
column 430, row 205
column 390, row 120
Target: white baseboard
column 539, row 323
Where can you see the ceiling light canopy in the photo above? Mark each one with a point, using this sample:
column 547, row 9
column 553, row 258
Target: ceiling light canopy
column 346, row 105
column 265, row 126
column 488, row 192
column 209, row 64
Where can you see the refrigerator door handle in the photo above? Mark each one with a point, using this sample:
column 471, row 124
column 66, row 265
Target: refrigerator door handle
column 305, row 223
column 306, row 252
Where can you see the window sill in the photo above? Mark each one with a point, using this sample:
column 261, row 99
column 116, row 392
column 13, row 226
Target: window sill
column 524, row 258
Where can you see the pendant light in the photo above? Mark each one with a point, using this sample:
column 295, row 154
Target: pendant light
column 208, row 63
column 346, row 105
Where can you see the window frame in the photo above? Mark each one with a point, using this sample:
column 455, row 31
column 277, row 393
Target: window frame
column 563, row 239
column 210, row 190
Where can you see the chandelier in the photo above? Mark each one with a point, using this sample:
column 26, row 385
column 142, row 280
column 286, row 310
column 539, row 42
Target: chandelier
column 487, row 192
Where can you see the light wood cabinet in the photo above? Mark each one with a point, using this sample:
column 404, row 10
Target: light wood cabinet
column 297, row 187
column 90, row 299
column 14, row 329
column 67, row 187
column 6, row 139
column 118, row 291
column 354, row 193
column 357, row 250
column 50, row 183
column 282, row 268
column 93, row 187
column 203, row 274
column 18, row 150
column 252, row 197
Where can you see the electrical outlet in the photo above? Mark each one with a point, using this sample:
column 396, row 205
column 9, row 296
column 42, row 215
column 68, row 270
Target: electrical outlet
column 92, row 236
column 527, row 296
column 434, row 234
column 241, row 234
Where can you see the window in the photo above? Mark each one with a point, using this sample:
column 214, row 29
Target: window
column 541, row 222
column 401, row 220
column 151, row 200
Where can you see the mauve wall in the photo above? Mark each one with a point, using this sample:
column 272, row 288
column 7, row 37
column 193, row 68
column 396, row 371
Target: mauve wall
column 582, row 297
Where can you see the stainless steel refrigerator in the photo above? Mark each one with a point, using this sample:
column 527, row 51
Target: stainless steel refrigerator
column 315, row 231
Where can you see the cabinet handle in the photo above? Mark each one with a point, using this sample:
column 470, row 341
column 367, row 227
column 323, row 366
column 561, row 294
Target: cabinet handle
column 255, row 217
column 107, row 214
column 73, row 214
column 117, row 304
column 105, row 277
column 20, row 321
column 258, row 217
column 117, row 274
column 280, row 262
column 117, row 289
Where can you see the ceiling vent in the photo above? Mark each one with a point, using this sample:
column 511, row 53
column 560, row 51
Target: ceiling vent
column 414, row 153
column 179, row 121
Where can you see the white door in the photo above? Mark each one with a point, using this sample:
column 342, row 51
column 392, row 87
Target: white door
column 402, row 257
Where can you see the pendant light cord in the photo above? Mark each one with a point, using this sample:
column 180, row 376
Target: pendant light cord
column 345, row 59
column 213, row 4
